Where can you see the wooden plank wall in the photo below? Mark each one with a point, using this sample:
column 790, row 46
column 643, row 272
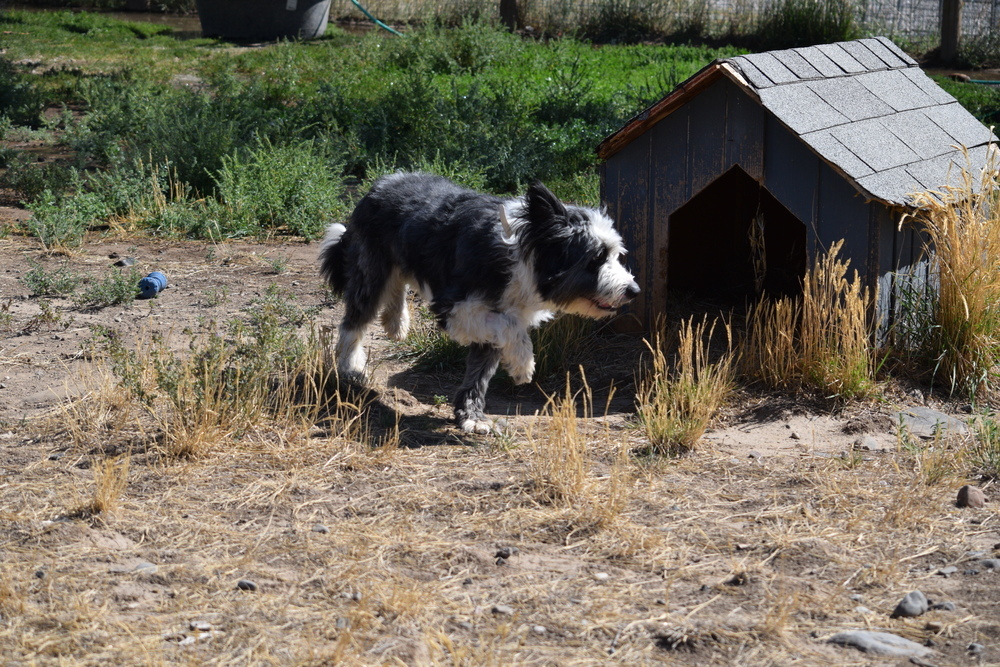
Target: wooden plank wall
column 627, row 189
column 669, row 164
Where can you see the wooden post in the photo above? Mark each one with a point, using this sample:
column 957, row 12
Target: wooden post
column 951, row 30
column 508, row 14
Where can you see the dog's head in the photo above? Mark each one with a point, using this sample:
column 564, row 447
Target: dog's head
column 576, row 253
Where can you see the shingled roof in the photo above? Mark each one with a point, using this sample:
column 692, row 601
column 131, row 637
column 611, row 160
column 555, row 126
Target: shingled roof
column 863, row 106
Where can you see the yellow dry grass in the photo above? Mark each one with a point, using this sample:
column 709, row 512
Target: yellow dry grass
column 962, row 227
column 821, row 339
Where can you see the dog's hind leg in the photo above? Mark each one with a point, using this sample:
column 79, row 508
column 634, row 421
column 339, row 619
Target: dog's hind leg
column 470, row 400
column 395, row 314
column 362, row 297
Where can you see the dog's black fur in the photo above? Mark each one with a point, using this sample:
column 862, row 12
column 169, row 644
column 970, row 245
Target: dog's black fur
column 489, row 268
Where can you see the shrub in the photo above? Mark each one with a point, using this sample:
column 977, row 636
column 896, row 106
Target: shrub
column 62, row 221
column 45, row 282
column 293, row 187
column 116, row 288
column 20, row 101
column 785, row 24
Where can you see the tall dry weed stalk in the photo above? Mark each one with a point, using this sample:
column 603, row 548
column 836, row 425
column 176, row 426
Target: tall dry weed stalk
column 110, row 481
column 563, row 458
column 677, row 401
column 820, row 339
column 962, row 225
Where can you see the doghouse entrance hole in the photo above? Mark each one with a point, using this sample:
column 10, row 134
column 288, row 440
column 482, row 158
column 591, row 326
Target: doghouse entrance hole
column 735, row 240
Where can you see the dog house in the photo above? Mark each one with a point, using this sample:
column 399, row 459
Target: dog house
column 737, row 179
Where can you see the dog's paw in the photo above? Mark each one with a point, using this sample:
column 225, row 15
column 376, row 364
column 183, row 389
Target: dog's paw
column 521, row 373
column 480, row 426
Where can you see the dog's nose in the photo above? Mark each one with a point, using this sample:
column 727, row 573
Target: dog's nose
column 632, row 291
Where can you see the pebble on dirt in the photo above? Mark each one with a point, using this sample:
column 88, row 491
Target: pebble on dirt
column 912, row 604
column 970, row 496
column 246, row 585
column 502, row 610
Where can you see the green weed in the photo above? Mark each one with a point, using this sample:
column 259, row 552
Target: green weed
column 118, row 287
column 43, row 281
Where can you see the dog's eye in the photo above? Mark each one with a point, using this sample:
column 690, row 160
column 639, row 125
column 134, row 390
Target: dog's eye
column 598, row 261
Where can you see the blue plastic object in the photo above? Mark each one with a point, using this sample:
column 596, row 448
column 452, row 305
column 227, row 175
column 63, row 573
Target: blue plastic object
column 152, row 285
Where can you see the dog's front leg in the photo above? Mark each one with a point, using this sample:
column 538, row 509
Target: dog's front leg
column 518, row 355
column 470, row 401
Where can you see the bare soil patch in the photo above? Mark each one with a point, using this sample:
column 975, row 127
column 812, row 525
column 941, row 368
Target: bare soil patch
column 777, row 532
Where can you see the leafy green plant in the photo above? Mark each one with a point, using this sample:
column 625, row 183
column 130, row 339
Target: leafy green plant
column 293, row 187
column 59, row 281
column 118, row 287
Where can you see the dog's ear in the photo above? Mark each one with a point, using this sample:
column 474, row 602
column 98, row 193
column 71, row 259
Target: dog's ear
column 542, row 205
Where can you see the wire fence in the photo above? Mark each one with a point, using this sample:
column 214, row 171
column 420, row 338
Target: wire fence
column 916, row 21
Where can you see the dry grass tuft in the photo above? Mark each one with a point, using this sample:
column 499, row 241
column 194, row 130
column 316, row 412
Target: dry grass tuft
column 677, row 401
column 821, row 340
column 110, row 482
column 961, row 333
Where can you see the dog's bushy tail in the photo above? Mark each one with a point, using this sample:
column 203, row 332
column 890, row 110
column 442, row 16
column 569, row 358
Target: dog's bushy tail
column 331, row 257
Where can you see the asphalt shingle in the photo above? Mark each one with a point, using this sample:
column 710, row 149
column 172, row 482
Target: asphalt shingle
column 863, row 55
column 820, row 61
column 960, row 125
column 772, row 68
column 874, row 144
column 895, row 89
column 833, row 151
column 887, row 56
column 844, row 60
column 750, row 72
column 798, row 65
column 919, row 133
column 800, row 108
column 850, row 98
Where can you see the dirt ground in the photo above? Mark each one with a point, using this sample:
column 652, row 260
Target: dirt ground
column 784, row 527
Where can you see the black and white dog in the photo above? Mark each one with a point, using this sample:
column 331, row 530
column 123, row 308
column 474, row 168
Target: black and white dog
column 490, row 269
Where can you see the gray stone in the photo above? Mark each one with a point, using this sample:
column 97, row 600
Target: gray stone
column 503, row 610
column 320, row 528
column 866, row 443
column 990, row 563
column 970, row 496
column 975, row 648
column 923, row 422
column 880, row 643
column 246, row 585
column 539, row 629
column 145, row 568
column 507, row 552
column 861, row 609
column 947, row 571
column 200, row 626
column 912, row 604
column 943, row 606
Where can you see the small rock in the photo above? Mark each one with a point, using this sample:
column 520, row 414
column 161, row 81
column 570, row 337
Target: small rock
column 971, row 572
column 912, row 604
column 879, row 643
column 943, row 606
column 467, row 582
column 39, row 574
column 465, row 625
column 934, row 626
column 928, row 424
column 970, row 496
column 125, row 261
column 602, row 576
column 866, row 443
column 145, row 568
column 246, row 585
column 660, row 601
column 342, row 623
column 975, row 649
column 947, row 571
column 990, row 563
column 502, row 610
column 861, row 609
column 507, row 552
column 755, row 455
column 320, row 528
column 539, row 629
column 200, row 626
column 857, row 597
column 794, row 436
column 55, row 456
